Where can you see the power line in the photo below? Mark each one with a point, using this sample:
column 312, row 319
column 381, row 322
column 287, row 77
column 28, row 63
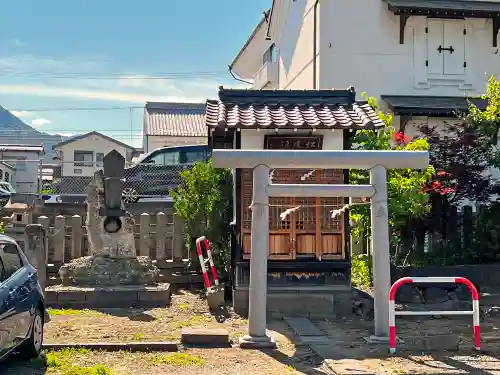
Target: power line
column 111, row 76
column 61, row 109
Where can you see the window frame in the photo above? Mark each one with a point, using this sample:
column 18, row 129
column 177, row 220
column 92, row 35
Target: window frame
column 2, row 254
column 99, row 159
column 83, row 163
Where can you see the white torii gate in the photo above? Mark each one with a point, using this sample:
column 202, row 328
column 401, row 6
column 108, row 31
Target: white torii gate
column 262, row 160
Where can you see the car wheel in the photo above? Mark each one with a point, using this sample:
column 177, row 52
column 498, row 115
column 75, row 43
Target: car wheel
column 32, row 347
column 130, row 195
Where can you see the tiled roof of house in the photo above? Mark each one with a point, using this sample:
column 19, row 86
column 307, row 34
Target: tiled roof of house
column 318, row 109
column 175, row 119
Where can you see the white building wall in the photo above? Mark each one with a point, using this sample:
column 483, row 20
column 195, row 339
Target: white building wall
column 362, row 49
column 93, row 143
column 27, row 163
column 294, row 42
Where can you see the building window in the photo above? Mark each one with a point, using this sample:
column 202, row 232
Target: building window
column 7, row 177
column 99, row 157
column 18, row 161
column 77, row 171
column 270, row 55
column 83, row 158
column 446, row 47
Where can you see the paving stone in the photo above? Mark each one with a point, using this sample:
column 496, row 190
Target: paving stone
column 205, row 337
column 303, row 326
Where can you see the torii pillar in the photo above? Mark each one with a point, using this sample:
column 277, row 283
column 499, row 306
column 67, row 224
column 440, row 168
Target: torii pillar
column 377, row 162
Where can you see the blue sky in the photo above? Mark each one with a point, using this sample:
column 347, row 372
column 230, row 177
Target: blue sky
column 57, row 54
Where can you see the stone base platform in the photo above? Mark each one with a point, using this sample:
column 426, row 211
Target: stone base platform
column 332, row 301
column 136, row 296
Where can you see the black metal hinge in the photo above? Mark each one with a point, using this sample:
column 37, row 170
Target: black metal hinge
column 465, row 31
column 465, row 64
column 427, row 30
column 426, row 62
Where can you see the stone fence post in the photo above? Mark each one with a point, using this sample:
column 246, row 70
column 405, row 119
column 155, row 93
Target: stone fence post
column 76, row 236
column 179, row 241
column 59, row 239
column 161, row 235
column 145, row 222
column 36, row 251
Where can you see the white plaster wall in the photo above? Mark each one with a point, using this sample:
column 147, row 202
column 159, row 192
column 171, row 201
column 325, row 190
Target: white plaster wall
column 254, row 140
column 25, row 179
column 94, row 143
column 294, row 43
column 361, row 49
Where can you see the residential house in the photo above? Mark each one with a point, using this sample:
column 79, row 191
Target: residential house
column 173, row 124
column 257, row 59
column 7, row 172
column 421, row 57
column 82, row 155
column 308, row 248
column 21, row 165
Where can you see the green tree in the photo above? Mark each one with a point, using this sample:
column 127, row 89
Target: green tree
column 406, row 188
column 204, row 200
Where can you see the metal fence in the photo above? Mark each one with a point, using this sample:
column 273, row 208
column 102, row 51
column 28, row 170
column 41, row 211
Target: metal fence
column 71, row 178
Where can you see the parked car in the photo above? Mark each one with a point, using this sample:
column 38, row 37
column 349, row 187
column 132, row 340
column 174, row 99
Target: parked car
column 158, row 172
column 22, row 303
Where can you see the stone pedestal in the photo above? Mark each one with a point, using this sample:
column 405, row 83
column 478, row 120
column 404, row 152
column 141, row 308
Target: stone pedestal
column 106, row 271
column 112, row 260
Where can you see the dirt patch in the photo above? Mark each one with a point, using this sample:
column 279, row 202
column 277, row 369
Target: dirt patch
column 191, row 362
column 118, row 325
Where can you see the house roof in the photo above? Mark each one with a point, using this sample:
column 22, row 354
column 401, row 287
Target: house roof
column 174, row 119
column 264, row 20
column 290, row 109
column 430, row 105
column 21, row 147
column 483, row 7
column 82, row 136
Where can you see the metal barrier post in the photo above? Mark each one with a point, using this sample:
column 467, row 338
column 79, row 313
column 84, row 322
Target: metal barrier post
column 203, row 261
column 441, row 280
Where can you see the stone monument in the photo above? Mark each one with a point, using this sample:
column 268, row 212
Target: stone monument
column 110, row 230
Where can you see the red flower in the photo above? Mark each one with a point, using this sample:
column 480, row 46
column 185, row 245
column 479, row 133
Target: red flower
column 400, row 138
column 442, row 173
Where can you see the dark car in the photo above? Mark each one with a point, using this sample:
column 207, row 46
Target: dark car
column 158, row 172
column 22, row 304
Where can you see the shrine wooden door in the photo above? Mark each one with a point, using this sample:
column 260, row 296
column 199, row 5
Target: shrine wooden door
column 309, row 231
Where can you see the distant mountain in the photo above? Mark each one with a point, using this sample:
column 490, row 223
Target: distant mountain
column 15, row 131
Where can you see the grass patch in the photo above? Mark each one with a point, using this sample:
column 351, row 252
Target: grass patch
column 56, row 312
column 177, row 359
column 192, row 321
column 138, row 336
column 63, row 362
column 183, row 306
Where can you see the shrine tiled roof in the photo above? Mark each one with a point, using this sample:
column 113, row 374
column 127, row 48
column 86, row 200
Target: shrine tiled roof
column 289, row 109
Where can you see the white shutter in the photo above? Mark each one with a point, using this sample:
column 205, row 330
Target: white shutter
column 434, row 40
column 454, row 36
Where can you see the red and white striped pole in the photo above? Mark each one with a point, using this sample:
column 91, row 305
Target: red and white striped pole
column 203, row 261
column 456, row 280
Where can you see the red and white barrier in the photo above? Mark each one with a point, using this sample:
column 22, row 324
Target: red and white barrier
column 203, row 261
column 456, row 280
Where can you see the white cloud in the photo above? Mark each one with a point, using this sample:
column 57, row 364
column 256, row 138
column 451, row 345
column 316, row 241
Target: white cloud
column 21, row 114
column 16, row 42
column 40, row 122
column 130, row 89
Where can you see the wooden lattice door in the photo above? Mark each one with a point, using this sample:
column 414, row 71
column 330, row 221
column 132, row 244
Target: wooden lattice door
column 309, row 231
